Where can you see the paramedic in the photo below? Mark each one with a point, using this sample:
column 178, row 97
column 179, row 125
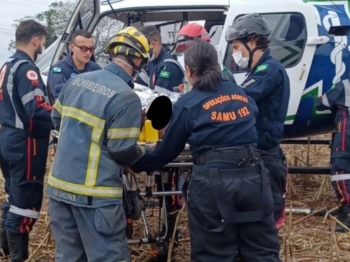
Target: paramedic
column 268, row 84
column 217, row 120
column 82, row 47
column 25, row 118
column 185, row 38
column 164, row 72
column 337, row 101
column 86, row 215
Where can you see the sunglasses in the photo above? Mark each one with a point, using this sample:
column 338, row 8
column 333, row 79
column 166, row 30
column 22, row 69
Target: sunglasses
column 84, row 49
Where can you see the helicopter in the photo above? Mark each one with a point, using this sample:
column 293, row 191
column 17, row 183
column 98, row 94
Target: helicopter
column 310, row 38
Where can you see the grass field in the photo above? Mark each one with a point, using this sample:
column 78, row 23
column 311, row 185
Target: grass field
column 303, row 238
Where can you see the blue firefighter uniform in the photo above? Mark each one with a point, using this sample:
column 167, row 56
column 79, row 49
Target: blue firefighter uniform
column 24, row 138
column 63, row 70
column 268, row 84
column 338, row 101
column 219, row 126
column 164, row 72
column 99, row 114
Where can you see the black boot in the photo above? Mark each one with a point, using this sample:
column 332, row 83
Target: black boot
column 4, row 248
column 18, row 245
column 344, row 217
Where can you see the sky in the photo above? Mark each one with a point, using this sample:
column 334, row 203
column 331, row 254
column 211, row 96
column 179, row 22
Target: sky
column 15, row 9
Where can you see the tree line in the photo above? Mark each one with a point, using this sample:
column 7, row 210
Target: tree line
column 56, row 18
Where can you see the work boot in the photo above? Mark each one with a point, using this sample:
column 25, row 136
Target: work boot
column 344, row 217
column 18, row 245
column 4, row 248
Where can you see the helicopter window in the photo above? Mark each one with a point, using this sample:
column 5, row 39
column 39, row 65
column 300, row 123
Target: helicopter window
column 168, row 23
column 288, row 39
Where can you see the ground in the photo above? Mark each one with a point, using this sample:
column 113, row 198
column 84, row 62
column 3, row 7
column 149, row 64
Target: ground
column 303, row 238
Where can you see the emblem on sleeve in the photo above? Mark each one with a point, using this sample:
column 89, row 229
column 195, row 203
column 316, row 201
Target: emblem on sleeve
column 164, row 74
column 261, row 68
column 32, row 75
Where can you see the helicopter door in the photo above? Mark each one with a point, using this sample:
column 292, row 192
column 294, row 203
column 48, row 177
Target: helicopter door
column 85, row 16
column 293, row 28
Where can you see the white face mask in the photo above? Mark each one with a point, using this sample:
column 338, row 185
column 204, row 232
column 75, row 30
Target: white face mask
column 241, row 61
column 187, row 85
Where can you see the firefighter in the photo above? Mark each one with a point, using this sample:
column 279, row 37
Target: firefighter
column 164, row 72
column 185, row 38
column 96, row 139
column 25, row 118
column 217, row 119
column 267, row 83
column 82, row 46
column 337, row 101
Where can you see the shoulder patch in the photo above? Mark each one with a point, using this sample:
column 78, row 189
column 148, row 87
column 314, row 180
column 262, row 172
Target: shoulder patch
column 164, row 74
column 261, row 68
column 57, row 69
column 32, row 75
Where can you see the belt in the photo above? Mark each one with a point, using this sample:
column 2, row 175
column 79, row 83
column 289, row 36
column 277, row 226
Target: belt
column 242, row 156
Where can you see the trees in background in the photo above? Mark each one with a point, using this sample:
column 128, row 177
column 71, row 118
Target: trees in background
column 56, row 18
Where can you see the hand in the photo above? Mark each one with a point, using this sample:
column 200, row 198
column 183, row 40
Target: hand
column 151, row 146
column 181, row 87
column 128, row 169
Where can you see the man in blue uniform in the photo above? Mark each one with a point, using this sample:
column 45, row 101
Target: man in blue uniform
column 82, row 47
column 229, row 202
column 164, row 73
column 267, row 83
column 25, row 118
column 337, row 100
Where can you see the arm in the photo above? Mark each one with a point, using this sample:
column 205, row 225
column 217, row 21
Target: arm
column 32, row 92
column 57, row 79
column 262, row 82
column 124, row 131
column 172, row 144
column 328, row 100
column 56, row 114
column 227, row 75
column 169, row 76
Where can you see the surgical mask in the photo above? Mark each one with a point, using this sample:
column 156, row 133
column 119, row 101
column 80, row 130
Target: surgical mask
column 187, row 85
column 241, row 61
column 152, row 56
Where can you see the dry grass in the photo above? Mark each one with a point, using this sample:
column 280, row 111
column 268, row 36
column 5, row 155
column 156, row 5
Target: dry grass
column 302, row 238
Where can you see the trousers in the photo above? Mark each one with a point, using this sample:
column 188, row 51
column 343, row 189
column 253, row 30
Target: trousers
column 340, row 170
column 215, row 191
column 23, row 165
column 274, row 161
column 89, row 234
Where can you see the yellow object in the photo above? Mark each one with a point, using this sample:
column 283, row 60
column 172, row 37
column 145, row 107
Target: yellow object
column 130, row 42
column 148, row 133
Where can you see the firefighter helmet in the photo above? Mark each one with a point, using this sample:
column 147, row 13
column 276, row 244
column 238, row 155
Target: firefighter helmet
column 188, row 33
column 129, row 42
column 246, row 26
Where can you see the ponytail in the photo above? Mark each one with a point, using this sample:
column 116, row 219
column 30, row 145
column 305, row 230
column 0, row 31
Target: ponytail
column 202, row 60
column 210, row 79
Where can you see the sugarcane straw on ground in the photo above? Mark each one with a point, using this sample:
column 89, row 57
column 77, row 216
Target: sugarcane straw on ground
column 303, row 238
